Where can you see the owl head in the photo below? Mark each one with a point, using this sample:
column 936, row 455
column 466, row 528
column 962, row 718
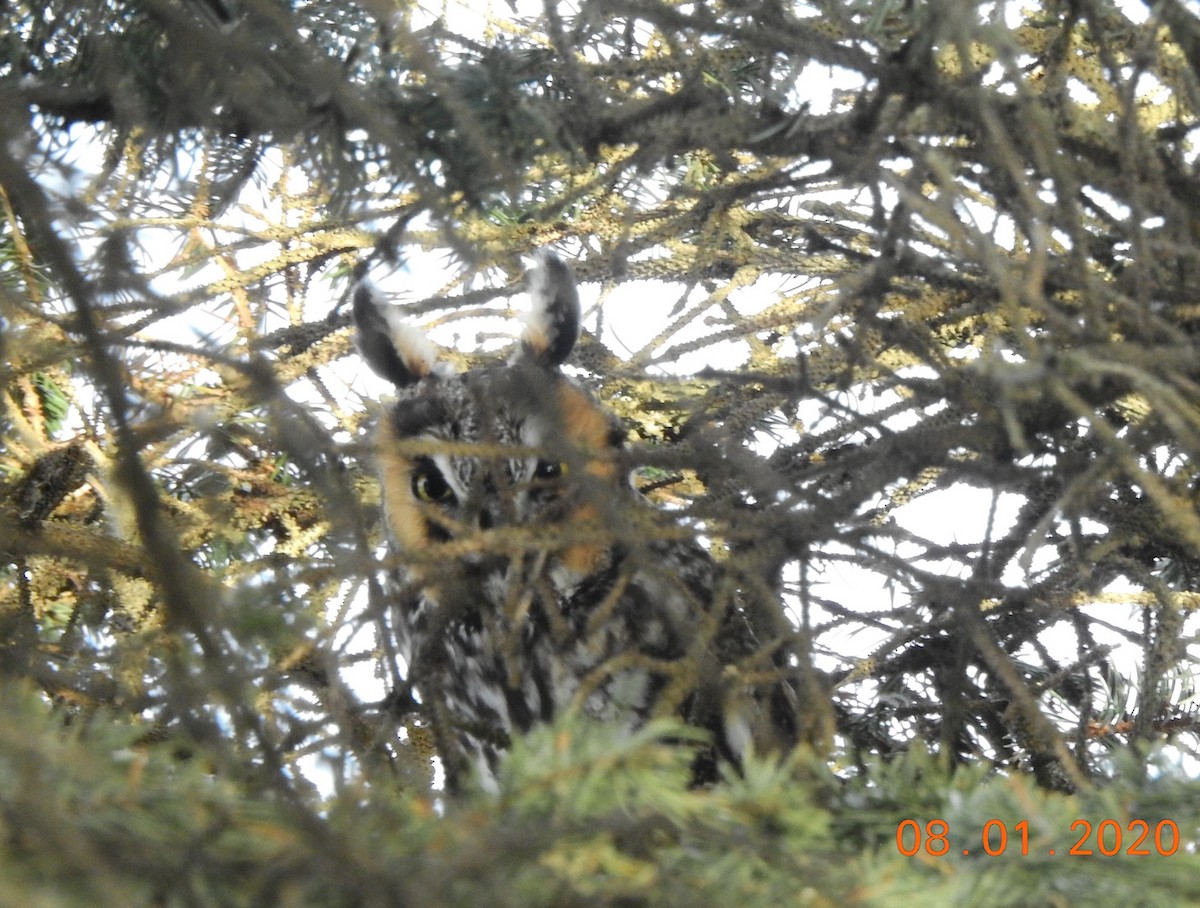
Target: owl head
column 499, row 461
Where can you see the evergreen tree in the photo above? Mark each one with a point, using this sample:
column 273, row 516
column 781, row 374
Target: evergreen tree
column 919, row 359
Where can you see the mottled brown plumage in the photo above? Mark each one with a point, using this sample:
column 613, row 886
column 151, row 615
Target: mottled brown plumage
column 531, row 579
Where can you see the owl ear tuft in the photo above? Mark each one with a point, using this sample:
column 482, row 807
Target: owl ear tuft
column 394, row 349
column 552, row 327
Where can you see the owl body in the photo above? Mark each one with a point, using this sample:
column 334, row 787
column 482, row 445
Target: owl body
column 530, row 578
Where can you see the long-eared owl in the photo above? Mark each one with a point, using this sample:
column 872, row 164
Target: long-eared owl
column 528, row 575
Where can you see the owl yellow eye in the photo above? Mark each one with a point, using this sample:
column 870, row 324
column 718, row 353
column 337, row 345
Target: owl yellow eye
column 549, row 469
column 428, row 484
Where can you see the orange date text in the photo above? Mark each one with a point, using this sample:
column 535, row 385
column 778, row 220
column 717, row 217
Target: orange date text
column 1105, row 837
